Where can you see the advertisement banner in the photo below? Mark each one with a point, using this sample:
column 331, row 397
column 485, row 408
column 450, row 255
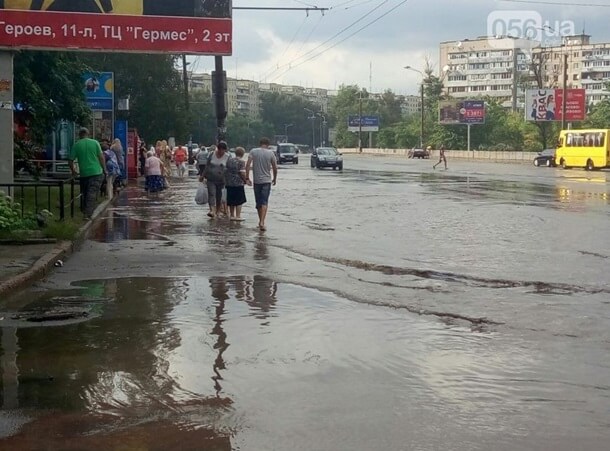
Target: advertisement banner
column 547, row 105
column 99, row 90
column 456, row 112
column 178, row 26
column 369, row 123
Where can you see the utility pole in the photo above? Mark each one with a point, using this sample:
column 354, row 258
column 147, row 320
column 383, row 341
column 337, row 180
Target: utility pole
column 514, row 87
column 313, row 127
column 286, row 127
column 220, row 87
column 564, row 97
column 185, row 79
column 360, row 123
column 421, row 125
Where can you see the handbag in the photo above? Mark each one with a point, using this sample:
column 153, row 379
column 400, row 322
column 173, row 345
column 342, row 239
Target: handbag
column 201, row 196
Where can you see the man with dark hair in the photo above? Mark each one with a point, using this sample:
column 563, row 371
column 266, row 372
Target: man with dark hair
column 92, row 169
column 262, row 162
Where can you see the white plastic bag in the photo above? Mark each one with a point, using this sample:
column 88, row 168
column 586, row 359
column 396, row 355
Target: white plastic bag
column 201, row 197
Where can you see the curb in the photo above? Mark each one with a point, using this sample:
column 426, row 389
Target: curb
column 44, row 265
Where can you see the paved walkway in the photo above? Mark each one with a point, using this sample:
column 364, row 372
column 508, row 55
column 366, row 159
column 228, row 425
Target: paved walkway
column 16, row 259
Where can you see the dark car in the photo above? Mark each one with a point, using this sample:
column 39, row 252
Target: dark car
column 287, row 153
column 545, row 158
column 327, row 157
column 418, row 153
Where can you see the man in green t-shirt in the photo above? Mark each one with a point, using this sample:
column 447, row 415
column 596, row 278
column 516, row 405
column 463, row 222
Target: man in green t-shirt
column 92, row 168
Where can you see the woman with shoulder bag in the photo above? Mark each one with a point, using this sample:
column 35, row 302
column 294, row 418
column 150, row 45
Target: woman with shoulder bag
column 214, row 176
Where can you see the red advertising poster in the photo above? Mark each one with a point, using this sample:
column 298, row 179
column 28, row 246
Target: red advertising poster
column 177, row 26
column 547, row 105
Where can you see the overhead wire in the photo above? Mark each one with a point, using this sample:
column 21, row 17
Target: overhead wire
column 343, row 30
column 343, row 40
column 557, row 3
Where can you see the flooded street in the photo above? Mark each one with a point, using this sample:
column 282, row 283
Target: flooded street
column 387, row 307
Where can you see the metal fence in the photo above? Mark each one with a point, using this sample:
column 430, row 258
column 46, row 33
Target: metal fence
column 36, row 196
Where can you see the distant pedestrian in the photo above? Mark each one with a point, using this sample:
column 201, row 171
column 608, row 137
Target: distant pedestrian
column 154, row 173
column 117, row 148
column 180, row 157
column 214, row 176
column 142, row 157
column 264, row 174
column 88, row 154
column 441, row 158
column 202, row 158
column 236, row 178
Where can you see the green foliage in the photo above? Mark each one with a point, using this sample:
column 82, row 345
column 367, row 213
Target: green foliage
column 155, row 90
column 245, row 132
column 279, row 110
column 10, row 216
column 48, row 86
column 599, row 117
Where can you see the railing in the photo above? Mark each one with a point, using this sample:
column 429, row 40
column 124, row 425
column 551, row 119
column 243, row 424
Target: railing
column 51, row 195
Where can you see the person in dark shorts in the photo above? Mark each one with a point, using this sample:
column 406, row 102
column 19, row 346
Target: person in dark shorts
column 236, row 178
column 441, row 158
column 263, row 164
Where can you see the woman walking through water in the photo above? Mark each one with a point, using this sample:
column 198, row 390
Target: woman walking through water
column 236, row 179
column 165, row 155
column 214, row 175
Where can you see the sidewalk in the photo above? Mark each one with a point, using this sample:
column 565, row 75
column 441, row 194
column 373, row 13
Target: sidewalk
column 23, row 264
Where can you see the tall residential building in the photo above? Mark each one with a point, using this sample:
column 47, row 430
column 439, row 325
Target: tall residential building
column 496, row 67
column 486, row 66
column 244, row 96
column 588, row 66
column 411, row 105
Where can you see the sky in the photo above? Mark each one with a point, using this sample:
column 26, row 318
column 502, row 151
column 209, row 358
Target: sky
column 292, row 47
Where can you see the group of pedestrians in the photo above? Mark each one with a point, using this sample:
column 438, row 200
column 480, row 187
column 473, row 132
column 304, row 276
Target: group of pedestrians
column 101, row 168
column 222, row 172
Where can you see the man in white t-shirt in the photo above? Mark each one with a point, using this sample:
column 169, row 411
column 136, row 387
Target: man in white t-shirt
column 264, row 174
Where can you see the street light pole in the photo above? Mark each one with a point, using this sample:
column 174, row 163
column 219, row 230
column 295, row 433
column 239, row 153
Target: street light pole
column 422, row 113
column 286, row 127
column 564, row 98
column 322, row 125
column 360, row 123
column 313, row 127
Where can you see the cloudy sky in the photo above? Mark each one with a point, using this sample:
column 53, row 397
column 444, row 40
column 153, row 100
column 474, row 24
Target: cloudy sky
column 290, row 47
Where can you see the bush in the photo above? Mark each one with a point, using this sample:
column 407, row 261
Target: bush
column 10, row 215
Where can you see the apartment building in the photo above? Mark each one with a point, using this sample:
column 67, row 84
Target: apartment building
column 244, row 96
column 411, row 105
column 496, row 67
column 588, row 66
column 486, row 67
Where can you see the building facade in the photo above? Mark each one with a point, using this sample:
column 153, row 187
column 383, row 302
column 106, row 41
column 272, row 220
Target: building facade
column 244, row 96
column 502, row 68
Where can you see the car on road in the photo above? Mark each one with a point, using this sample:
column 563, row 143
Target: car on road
column 287, row 153
column 418, row 153
column 327, row 157
column 545, row 158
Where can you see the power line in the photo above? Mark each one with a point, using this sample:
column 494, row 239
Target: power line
column 289, row 64
column 344, row 39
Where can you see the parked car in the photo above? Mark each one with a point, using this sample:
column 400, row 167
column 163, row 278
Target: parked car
column 327, row 157
column 287, row 153
column 545, row 158
column 418, row 153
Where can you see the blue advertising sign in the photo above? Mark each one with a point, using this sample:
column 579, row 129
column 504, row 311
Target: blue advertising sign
column 99, row 90
column 120, row 132
column 367, row 123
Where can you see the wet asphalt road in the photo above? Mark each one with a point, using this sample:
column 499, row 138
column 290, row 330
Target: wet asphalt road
column 389, row 306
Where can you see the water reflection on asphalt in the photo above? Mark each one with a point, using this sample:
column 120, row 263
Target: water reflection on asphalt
column 387, row 307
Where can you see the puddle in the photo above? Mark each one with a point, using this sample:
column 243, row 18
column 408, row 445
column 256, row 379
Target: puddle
column 245, row 362
column 118, row 227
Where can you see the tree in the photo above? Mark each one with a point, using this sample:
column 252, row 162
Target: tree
column 279, row 110
column 155, row 90
column 599, row 116
column 48, row 88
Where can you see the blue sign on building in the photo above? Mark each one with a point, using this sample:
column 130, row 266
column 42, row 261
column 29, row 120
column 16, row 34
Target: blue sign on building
column 99, row 90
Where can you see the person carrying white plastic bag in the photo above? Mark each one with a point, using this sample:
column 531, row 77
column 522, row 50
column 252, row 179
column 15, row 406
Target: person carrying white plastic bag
column 201, row 197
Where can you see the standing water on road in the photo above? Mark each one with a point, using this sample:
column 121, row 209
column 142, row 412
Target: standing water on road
column 387, row 307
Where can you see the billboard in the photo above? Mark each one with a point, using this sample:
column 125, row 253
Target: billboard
column 547, row 105
column 455, row 112
column 99, row 90
column 172, row 26
column 369, row 123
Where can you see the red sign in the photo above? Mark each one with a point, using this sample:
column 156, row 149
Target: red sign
column 115, row 32
column 575, row 106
